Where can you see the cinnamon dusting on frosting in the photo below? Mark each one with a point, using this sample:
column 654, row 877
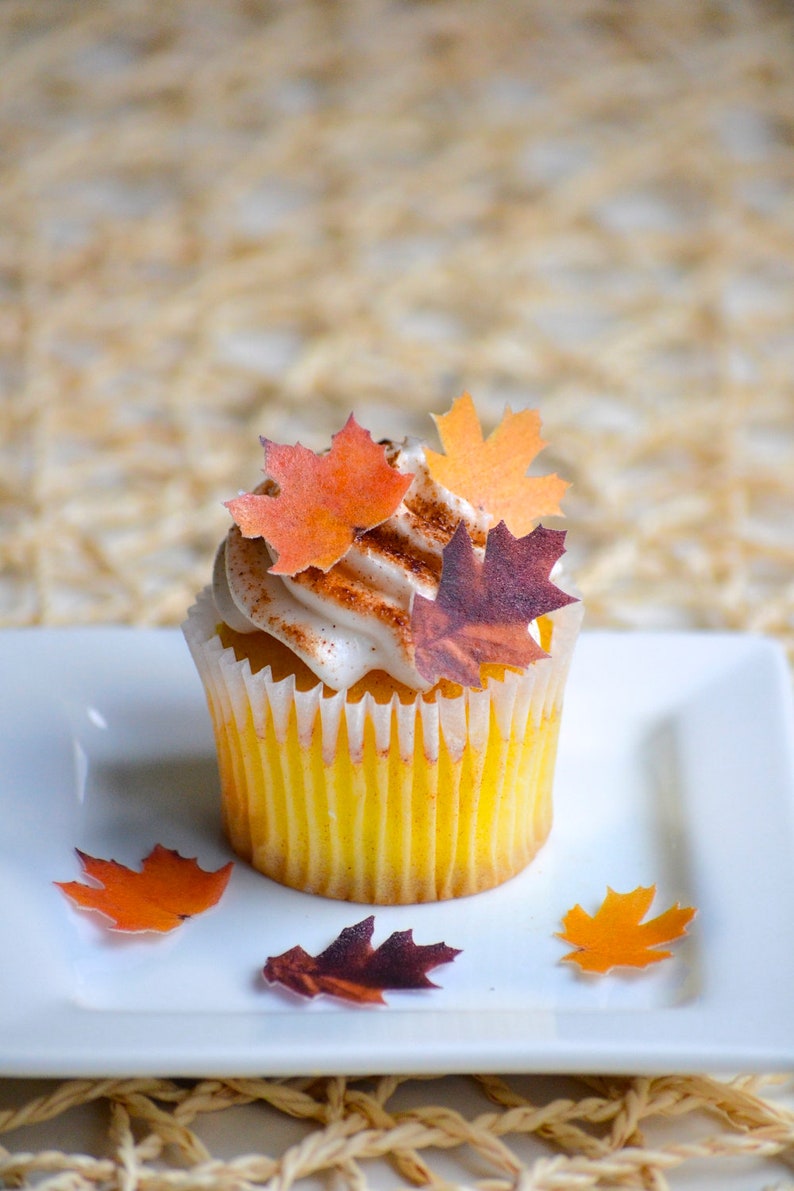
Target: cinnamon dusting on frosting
column 387, row 543
column 300, row 639
column 438, row 521
column 344, row 590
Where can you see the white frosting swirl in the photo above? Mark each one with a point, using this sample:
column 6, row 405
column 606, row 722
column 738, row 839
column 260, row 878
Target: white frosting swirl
column 355, row 617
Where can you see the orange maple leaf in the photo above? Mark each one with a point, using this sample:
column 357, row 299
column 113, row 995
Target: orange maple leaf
column 324, row 502
column 491, row 473
column 616, row 936
column 483, row 609
column 168, row 889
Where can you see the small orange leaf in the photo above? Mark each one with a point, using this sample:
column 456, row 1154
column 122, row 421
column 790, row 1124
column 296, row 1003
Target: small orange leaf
column 491, row 473
column 168, row 889
column 616, row 936
column 324, row 502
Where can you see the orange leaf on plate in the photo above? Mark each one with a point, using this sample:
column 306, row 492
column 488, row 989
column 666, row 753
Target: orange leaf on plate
column 352, row 969
column 324, row 502
column 168, row 889
column 491, row 473
column 483, row 609
column 616, row 936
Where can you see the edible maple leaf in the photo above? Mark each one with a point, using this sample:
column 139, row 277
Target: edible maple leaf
column 352, row 969
column 483, row 609
column 616, row 936
column 324, row 502
column 491, row 473
column 168, row 889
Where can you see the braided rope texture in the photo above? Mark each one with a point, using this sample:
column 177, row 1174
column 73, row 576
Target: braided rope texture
column 600, row 1137
column 223, row 220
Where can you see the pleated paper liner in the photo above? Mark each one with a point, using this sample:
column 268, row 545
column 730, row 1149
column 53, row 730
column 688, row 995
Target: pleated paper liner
column 384, row 802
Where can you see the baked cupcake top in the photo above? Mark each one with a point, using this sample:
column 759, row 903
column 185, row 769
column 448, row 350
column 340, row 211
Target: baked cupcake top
column 389, row 556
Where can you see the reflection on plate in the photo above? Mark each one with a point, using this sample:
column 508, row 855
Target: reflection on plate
column 676, row 768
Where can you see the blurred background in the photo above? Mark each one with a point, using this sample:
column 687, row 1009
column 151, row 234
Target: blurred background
column 225, row 220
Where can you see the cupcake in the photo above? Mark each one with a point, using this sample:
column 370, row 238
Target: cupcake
column 384, row 649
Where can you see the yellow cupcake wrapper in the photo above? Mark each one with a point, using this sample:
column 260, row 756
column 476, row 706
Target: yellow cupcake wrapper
column 384, row 802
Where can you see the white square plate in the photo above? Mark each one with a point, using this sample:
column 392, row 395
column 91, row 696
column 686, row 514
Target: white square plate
column 676, row 769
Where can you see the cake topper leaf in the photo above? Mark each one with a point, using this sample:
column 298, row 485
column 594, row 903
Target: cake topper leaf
column 616, row 936
column 483, row 609
column 324, row 502
column 352, row 969
column 491, row 473
column 168, row 889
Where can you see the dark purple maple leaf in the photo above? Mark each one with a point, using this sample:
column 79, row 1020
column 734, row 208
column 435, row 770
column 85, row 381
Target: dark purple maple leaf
column 352, row 969
column 483, row 609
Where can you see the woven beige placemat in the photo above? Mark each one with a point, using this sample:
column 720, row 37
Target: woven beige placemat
column 221, row 220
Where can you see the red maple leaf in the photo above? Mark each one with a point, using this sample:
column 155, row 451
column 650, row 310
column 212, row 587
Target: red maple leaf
column 324, row 502
column 483, row 609
column 352, row 969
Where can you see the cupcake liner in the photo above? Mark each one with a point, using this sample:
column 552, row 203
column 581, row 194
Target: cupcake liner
column 383, row 802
